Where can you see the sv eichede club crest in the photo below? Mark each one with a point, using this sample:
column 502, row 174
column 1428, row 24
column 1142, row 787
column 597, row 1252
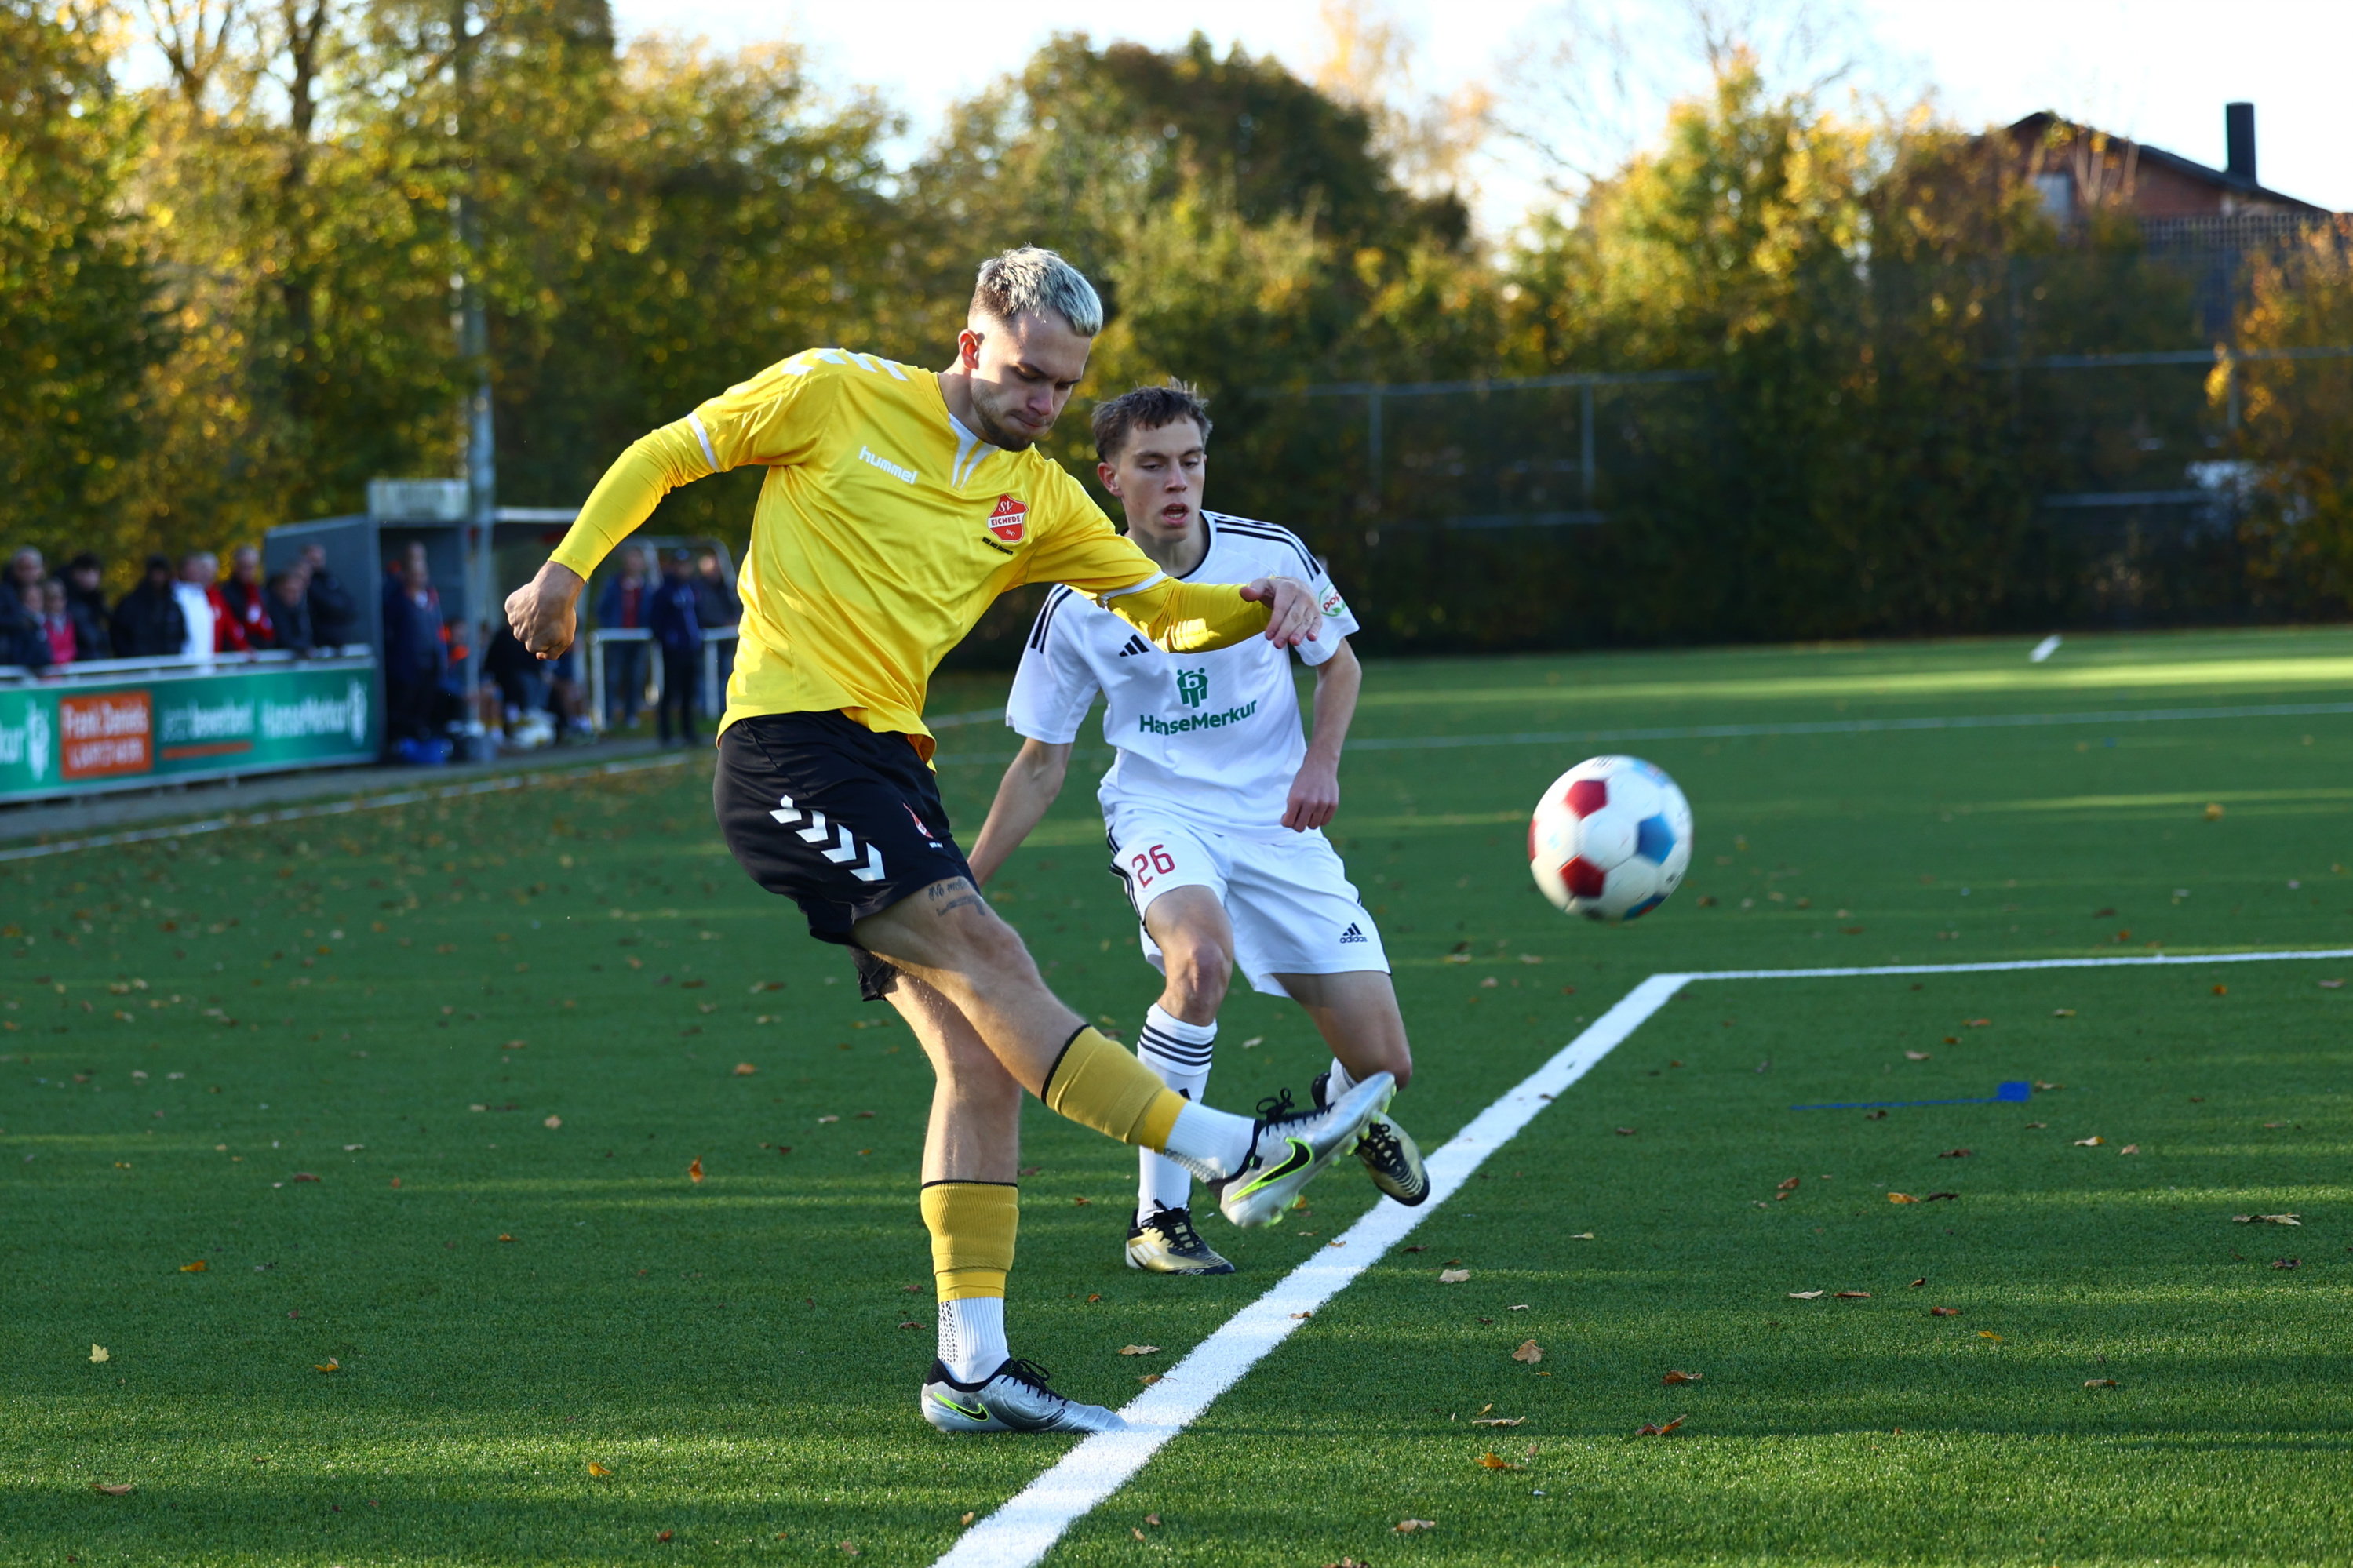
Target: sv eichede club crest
column 1009, row 520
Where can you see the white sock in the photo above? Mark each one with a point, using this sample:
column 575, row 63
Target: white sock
column 1180, row 1053
column 1212, row 1144
column 972, row 1337
column 1338, row 1084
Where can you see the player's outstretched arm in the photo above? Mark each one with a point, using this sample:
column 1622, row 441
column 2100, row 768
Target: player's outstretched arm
column 1193, row 617
column 1029, row 787
column 1316, row 788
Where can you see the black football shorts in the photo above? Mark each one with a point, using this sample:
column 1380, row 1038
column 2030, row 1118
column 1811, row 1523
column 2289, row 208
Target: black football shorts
column 841, row 820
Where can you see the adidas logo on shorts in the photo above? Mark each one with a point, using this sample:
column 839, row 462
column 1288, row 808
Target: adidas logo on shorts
column 1352, row 935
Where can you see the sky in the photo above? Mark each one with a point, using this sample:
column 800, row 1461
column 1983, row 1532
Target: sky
column 2156, row 70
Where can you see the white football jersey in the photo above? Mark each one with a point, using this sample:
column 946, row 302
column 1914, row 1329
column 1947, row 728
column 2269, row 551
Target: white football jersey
column 1215, row 737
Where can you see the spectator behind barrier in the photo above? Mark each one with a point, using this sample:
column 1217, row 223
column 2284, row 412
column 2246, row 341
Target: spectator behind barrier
column 85, row 586
column 247, row 603
column 56, row 625
column 289, row 611
column 21, row 639
column 148, row 623
column 677, row 628
column 623, row 604
column 414, row 658
column 334, row 616
column 200, row 604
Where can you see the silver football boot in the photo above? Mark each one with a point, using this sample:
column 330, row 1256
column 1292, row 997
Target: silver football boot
column 1013, row 1398
column 1290, row 1148
column 1391, row 1157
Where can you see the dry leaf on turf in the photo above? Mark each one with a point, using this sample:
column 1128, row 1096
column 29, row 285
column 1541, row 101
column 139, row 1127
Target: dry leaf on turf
column 1901, row 1198
column 1580, row 1236
column 1805, row 1295
column 1139, row 1349
column 2063, row 1012
column 966, row 1519
column 1521, row 1308
column 2332, row 986
column 1854, row 1295
column 1407, row 1526
column 1497, row 1420
column 1917, row 1283
column 1791, row 1185
column 1149, row 1378
column 2235, row 1219
column 1944, row 1312
column 123, row 1489
column 695, row 1169
column 665, row 1535
column 198, row 1267
column 553, row 1121
column 1298, row 1317
column 101, row 1353
column 1915, row 1055
column 1625, row 1133
column 1491, row 1462
column 330, row 1364
column 1940, row 1197
column 1956, row 1154
column 2129, row 1148
column 1674, row 1377
column 1988, row 1334
column 1136, row 1532
column 745, row 1069
column 1647, row 1430
column 2094, row 1142
column 2287, row 1262
column 1453, row 1276
column 2099, row 1383
column 1153, row 1519
column 1528, row 1353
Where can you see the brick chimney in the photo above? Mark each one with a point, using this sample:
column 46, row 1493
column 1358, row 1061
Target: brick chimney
column 2239, row 141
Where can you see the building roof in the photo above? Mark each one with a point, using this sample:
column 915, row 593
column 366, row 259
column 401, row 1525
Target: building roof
column 2151, row 180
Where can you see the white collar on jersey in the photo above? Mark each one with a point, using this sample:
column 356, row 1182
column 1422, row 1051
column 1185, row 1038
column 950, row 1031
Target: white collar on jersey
column 965, row 442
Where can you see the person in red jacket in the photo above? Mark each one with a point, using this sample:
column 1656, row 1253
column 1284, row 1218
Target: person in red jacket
column 245, row 602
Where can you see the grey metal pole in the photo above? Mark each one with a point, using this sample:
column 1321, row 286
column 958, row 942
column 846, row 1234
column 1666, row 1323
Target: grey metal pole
column 481, row 437
column 1584, row 441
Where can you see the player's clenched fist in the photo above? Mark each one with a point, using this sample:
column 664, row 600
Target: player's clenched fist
column 543, row 611
column 1295, row 617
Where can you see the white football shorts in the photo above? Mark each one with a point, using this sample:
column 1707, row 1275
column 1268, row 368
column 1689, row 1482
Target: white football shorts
column 1292, row 908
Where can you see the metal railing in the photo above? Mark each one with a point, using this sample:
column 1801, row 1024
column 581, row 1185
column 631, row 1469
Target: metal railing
column 168, row 667
column 712, row 698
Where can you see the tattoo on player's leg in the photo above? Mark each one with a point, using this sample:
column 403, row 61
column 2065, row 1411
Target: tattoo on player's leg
column 951, row 896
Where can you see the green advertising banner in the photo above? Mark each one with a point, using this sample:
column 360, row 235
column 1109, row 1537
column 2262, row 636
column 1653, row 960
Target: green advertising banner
column 61, row 738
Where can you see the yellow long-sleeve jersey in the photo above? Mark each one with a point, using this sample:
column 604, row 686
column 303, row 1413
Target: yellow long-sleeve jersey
column 883, row 531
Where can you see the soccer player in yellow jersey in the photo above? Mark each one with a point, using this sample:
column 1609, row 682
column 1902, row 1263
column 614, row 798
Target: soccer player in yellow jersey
column 897, row 503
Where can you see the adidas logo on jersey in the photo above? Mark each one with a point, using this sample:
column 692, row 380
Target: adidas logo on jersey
column 1134, row 645
column 1352, row 935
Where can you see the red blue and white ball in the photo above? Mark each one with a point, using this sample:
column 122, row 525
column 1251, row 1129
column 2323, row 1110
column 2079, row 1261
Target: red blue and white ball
column 1611, row 839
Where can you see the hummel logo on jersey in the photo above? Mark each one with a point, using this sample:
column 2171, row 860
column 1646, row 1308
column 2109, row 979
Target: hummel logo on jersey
column 904, row 476
column 1134, row 645
column 1352, row 934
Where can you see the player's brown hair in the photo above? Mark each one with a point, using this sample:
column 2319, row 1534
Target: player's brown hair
column 1146, row 408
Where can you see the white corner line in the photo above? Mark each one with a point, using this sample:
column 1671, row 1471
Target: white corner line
column 518, row 780
column 1031, row 1521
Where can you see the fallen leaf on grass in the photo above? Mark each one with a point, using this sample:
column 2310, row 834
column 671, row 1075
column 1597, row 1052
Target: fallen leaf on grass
column 1915, row 1055
column 745, row 1069
column 1901, row 1198
column 823, row 1120
column 1407, row 1526
column 1497, row 1420
column 1674, row 1377
column 2332, row 986
column 1988, row 1334
column 2129, row 1148
column 1298, row 1316
column 2221, row 991
column 330, row 1364
column 1149, row 1378
column 123, row 1489
column 1580, row 1236
column 1254, row 1042
column 2032, row 1125
column 1980, row 1023
column 2099, row 1383
column 1854, row 1296
column 1528, row 1353
column 2063, row 1012
column 1647, row 1430
column 1957, row 1155
column 1789, row 1185
column 1153, row 1519
column 198, row 1267
column 1453, row 1276
column 2094, row 1142
column 1944, row 1312
column 553, row 1121
column 1136, row 1532
column 1082, row 1202
column 1521, row 1308
column 1495, row 1462
column 1625, row 1133
column 101, row 1353
column 2287, row 1262
column 968, row 1519
column 1917, row 1283
column 1940, row 1197
column 2235, row 1219
column 597, row 1470
column 695, row 1169
column 302, row 1176
column 1139, row 1349
column 1805, row 1295
column 665, row 1535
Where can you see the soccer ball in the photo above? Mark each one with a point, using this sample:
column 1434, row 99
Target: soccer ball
column 1611, row 839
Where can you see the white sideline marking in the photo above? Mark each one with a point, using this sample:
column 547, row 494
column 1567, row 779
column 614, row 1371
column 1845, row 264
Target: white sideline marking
column 333, row 809
column 1027, row 1527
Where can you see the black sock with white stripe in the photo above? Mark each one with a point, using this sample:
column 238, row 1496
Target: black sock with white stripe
column 1180, row 1053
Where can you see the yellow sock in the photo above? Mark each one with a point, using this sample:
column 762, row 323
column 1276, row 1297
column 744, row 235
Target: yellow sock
column 1101, row 1085
column 972, row 1225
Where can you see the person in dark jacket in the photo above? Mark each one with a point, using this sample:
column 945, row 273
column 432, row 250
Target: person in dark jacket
column 21, row 639
column 414, row 657
column 148, row 623
column 717, row 605
column 623, row 604
column 334, row 617
column 85, row 582
column 678, row 632
column 290, row 611
column 247, row 598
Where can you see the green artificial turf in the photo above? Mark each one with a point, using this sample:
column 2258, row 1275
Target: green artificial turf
column 732, row 1350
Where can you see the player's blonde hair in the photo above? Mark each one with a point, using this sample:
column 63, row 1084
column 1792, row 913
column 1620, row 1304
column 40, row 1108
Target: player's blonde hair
column 1027, row 279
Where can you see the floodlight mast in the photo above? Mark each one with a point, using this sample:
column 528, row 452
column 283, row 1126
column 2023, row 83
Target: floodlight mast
column 474, row 346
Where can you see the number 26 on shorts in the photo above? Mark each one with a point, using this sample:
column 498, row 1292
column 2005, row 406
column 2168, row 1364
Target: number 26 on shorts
column 1148, row 863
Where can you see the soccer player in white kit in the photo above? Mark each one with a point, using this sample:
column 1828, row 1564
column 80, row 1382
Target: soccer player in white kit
column 1214, row 807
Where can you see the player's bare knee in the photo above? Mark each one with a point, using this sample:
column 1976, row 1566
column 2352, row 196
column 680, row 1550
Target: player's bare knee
column 1199, row 976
